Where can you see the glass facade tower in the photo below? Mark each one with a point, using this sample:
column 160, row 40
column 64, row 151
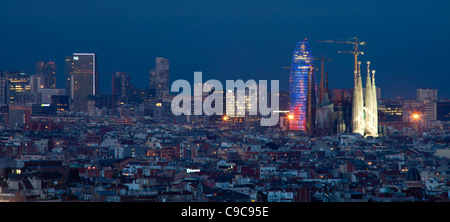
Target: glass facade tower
column 81, row 79
column 298, row 85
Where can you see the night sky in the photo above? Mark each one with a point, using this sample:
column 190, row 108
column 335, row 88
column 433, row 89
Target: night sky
column 408, row 42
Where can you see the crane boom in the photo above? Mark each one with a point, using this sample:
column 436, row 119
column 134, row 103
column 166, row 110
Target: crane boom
column 355, row 51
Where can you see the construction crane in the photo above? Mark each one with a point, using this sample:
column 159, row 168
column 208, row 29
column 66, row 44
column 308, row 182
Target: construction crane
column 355, row 51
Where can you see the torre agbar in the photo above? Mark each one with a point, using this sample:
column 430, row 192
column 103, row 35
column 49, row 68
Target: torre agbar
column 301, row 67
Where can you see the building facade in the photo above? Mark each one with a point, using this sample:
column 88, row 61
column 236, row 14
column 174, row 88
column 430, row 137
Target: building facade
column 159, row 77
column 300, row 77
column 48, row 72
column 81, row 79
column 423, row 94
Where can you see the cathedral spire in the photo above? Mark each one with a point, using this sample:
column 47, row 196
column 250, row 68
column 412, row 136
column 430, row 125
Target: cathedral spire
column 358, row 124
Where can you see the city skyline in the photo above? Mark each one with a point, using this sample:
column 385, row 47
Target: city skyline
column 214, row 38
column 207, row 101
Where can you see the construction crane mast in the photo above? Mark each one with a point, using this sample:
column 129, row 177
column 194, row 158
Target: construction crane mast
column 355, row 51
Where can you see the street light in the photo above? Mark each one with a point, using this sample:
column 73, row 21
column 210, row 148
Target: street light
column 416, row 118
column 290, row 117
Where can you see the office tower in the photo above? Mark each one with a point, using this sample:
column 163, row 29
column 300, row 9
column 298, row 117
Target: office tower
column 19, row 81
column 301, row 67
column 19, row 88
column 48, row 72
column 426, row 94
column 3, row 89
column 81, row 79
column 120, row 84
column 36, row 82
column 152, row 79
column 162, row 77
column 430, row 113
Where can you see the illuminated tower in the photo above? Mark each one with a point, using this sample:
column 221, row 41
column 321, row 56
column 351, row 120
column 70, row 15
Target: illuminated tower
column 301, row 67
column 374, row 106
column 368, row 115
column 358, row 123
column 371, row 107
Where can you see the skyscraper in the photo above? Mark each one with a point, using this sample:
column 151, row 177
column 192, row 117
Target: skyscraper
column 36, row 82
column 301, row 70
column 3, row 89
column 81, row 79
column 162, row 77
column 120, row 84
column 48, row 72
column 152, row 79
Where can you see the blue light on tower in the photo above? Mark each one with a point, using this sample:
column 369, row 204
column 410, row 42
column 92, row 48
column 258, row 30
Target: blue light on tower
column 298, row 85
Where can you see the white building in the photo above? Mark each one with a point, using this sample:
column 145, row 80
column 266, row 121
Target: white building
column 426, row 94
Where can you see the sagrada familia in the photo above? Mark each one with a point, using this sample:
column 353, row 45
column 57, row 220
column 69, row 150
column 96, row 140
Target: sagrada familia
column 365, row 110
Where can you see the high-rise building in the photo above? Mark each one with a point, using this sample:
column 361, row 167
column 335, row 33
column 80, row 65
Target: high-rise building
column 48, row 72
column 426, row 94
column 19, row 88
column 161, row 77
column 430, row 111
column 301, row 69
column 152, row 79
column 239, row 114
column 81, row 79
column 120, row 84
column 36, row 83
column 3, row 89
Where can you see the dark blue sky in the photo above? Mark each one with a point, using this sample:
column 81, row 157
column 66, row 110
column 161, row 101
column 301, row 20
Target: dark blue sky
column 408, row 42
